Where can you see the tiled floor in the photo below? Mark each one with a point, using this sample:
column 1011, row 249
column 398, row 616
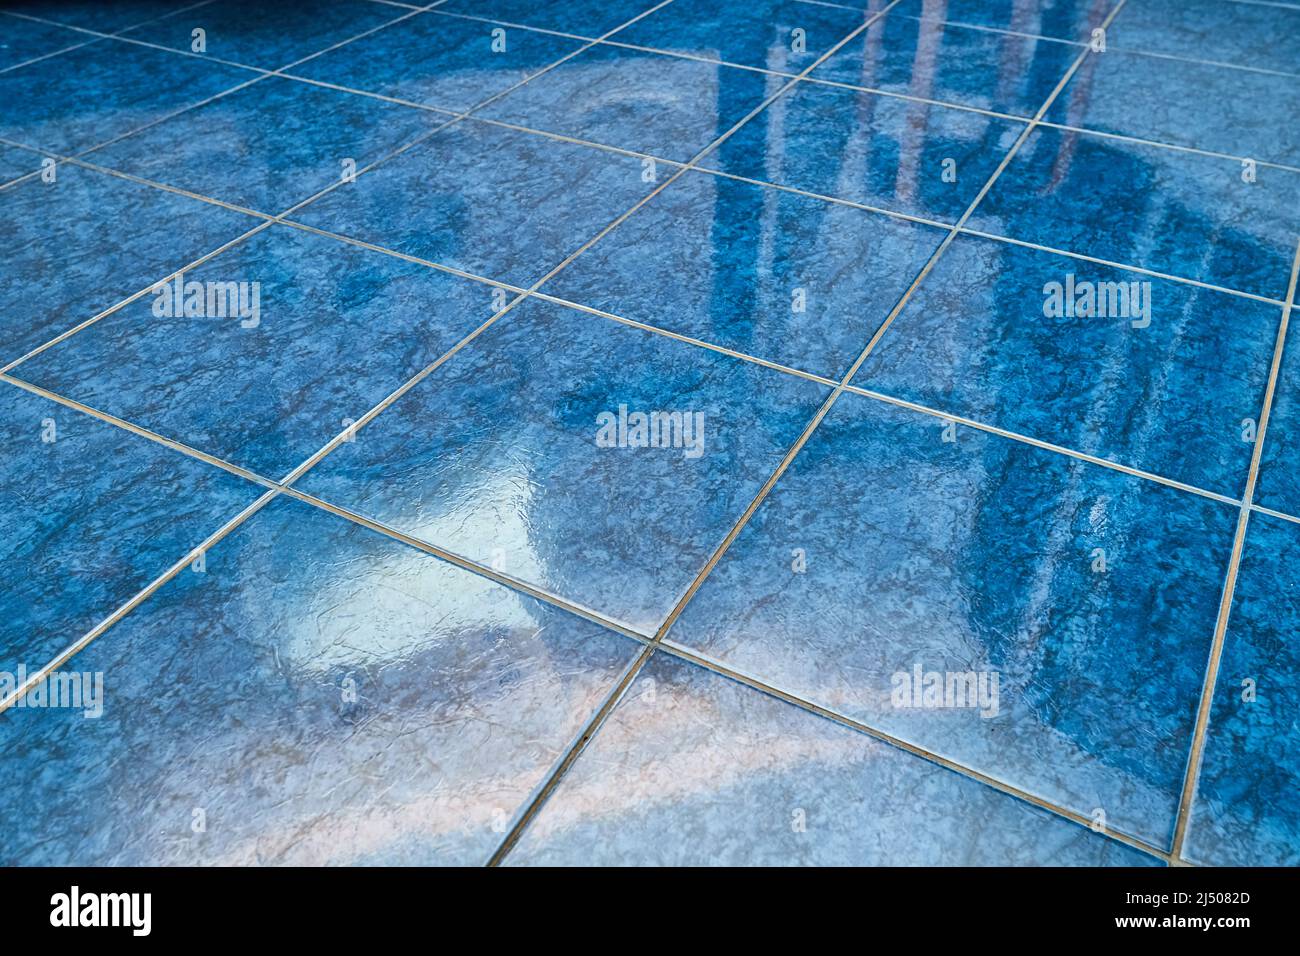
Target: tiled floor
column 967, row 524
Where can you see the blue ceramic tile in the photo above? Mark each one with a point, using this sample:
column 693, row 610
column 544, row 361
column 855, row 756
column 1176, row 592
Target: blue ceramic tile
column 1088, row 595
column 94, row 93
column 22, row 40
column 1063, row 19
column 1216, row 108
column 692, row 769
column 89, row 515
column 96, row 14
column 666, row 106
column 878, row 150
column 505, row 455
column 781, row 276
column 334, row 331
column 1244, row 34
column 1246, row 812
column 319, row 695
column 1172, row 212
column 1278, row 485
column 15, row 162
column 87, row 241
column 933, row 60
column 589, row 18
column 759, row 33
column 270, row 145
column 506, row 205
column 439, row 61
column 1155, row 375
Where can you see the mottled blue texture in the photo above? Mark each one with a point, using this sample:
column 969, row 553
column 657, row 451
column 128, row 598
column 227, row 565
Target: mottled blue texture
column 1260, row 35
column 759, row 33
column 22, row 40
column 1064, row 19
column 1246, row 812
column 1165, row 100
column 692, row 769
column 666, row 106
column 941, row 61
column 271, row 145
column 15, row 162
column 106, row 17
column 1173, row 212
column 93, row 93
column 1167, row 398
column 89, row 515
column 325, row 695
column 86, row 242
column 1278, row 485
column 338, row 329
column 781, row 276
column 495, row 457
column 877, row 150
column 589, row 18
column 267, row 35
column 978, row 555
column 438, row 61
column 513, row 218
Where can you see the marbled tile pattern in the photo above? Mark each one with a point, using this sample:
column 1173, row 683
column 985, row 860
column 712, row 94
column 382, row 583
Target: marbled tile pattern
column 865, row 494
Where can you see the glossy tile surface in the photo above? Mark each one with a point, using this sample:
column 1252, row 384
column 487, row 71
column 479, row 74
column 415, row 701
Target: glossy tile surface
column 1151, row 374
column 22, row 40
column 1063, row 19
column 89, row 515
column 756, row 781
column 981, row 556
column 777, row 275
column 334, row 330
column 1242, row 34
column 1245, row 812
column 496, row 457
column 588, row 18
column 877, row 150
column 382, row 708
column 1279, row 469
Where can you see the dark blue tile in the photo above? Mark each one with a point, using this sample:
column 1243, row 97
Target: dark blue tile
column 89, row 515
column 647, row 102
column 877, row 150
column 1088, row 595
column 335, row 330
column 94, row 93
column 1155, row 375
column 439, row 61
column 1279, row 470
column 1063, row 19
column 268, row 35
column 781, row 276
column 1245, row 34
column 22, row 40
column 96, row 14
column 759, row 33
column 1172, row 212
column 319, row 695
column 87, row 241
column 933, row 60
column 270, row 145
column 692, row 769
column 510, row 206
column 1215, row 108
column 501, row 456
column 589, row 18
column 1246, row 812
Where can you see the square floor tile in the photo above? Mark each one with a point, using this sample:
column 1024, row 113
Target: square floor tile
column 97, row 92
column 96, row 14
column 1244, row 34
column 270, row 145
column 756, row 781
column 334, row 331
column 588, row 18
column 761, row 33
column 439, row 61
column 984, row 599
column 1173, row 212
column 909, row 157
column 89, row 515
column 22, row 40
column 1279, row 470
column 319, row 695
column 1152, row 374
column 87, row 241
column 933, row 60
column 494, row 202
column 514, row 454
column 1245, row 812
column 666, row 106
column 1063, row 19
column 781, row 276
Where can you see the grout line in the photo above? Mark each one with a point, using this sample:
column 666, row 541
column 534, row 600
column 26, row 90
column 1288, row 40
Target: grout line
column 1230, row 579
column 1260, row 509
